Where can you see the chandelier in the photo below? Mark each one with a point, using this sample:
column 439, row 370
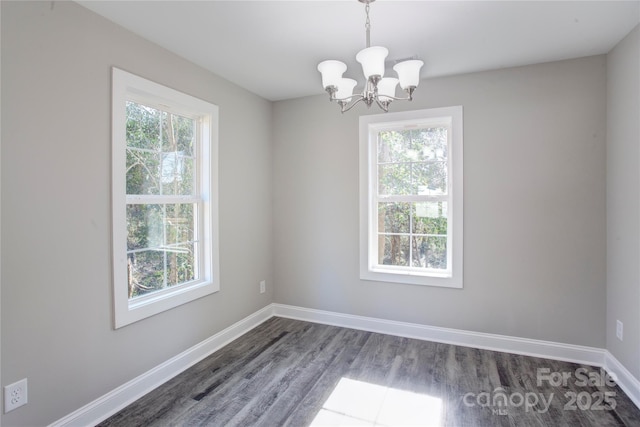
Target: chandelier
column 377, row 88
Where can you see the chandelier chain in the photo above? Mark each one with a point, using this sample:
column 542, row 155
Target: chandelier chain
column 367, row 25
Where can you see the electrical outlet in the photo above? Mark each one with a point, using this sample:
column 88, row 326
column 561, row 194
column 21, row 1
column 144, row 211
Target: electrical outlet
column 619, row 329
column 263, row 286
column 15, row 395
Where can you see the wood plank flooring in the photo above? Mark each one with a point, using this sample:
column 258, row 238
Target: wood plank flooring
column 293, row 373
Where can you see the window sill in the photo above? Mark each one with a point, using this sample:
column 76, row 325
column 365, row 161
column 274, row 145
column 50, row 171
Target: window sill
column 133, row 311
column 444, row 280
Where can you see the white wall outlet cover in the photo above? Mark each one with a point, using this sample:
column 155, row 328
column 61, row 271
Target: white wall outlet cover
column 15, row 395
column 619, row 330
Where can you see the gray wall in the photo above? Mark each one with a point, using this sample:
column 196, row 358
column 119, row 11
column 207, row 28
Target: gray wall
column 56, row 211
column 623, row 200
column 534, row 200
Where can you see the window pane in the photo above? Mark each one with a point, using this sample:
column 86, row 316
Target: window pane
column 178, row 133
column 180, row 264
column 412, row 145
column 429, row 252
column 394, row 250
column 179, row 223
column 430, row 143
column 143, row 172
column 177, row 174
column 154, row 226
column 153, row 270
column 395, row 179
column 187, row 183
column 393, row 217
column 144, row 226
column 430, row 178
column 429, row 218
column 184, row 129
column 143, row 126
column 395, row 146
column 146, row 272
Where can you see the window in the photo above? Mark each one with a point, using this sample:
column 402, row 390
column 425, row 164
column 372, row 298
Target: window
column 411, row 197
column 164, row 195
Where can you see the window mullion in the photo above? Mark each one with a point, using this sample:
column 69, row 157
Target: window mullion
column 165, row 274
column 411, row 234
column 412, row 198
column 132, row 199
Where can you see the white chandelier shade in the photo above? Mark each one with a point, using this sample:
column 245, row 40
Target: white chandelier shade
column 372, row 61
column 387, row 89
column 331, row 72
column 377, row 88
column 408, row 73
column 345, row 89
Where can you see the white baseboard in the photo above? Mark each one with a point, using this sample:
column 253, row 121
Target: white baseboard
column 112, row 402
column 524, row 346
column 627, row 382
column 107, row 405
column 528, row 347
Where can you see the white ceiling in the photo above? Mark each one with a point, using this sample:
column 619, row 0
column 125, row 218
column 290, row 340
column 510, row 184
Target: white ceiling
column 272, row 48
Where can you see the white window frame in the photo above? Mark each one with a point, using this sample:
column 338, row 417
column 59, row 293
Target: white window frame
column 370, row 126
column 129, row 87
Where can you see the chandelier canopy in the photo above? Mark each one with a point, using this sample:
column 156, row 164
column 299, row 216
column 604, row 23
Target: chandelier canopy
column 377, row 88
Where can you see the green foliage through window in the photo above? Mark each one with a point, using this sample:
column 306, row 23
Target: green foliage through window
column 412, row 193
column 161, row 161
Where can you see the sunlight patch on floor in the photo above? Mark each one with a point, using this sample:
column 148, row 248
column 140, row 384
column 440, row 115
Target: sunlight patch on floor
column 358, row 403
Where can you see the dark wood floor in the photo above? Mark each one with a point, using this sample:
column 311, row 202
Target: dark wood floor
column 292, row 373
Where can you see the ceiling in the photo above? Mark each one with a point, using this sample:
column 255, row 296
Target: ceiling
column 272, row 48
